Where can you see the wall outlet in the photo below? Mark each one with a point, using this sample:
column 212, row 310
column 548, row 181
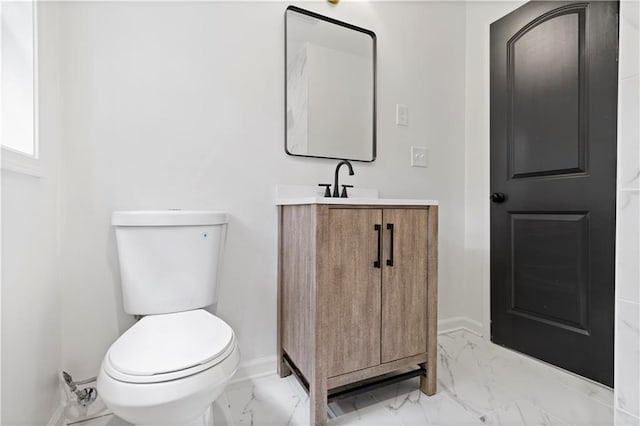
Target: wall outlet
column 419, row 156
column 402, row 115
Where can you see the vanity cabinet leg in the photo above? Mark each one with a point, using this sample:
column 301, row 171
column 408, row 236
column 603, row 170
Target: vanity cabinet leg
column 283, row 369
column 318, row 403
column 428, row 382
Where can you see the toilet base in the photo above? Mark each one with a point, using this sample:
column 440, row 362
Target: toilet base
column 172, row 402
column 206, row 419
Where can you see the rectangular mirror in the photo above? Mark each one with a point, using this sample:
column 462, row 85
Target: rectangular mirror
column 330, row 88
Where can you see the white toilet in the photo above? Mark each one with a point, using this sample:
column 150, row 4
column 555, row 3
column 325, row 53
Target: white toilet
column 170, row 366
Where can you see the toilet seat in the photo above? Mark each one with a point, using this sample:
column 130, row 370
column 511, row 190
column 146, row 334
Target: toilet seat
column 167, row 347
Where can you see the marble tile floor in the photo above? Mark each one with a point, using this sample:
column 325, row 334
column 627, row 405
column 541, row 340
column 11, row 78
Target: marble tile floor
column 479, row 384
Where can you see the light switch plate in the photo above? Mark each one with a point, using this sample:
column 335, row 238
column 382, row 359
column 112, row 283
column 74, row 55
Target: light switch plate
column 402, row 115
column 419, row 156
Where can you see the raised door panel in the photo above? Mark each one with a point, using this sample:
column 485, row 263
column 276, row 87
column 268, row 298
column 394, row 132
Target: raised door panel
column 404, row 283
column 353, row 290
column 549, row 268
column 546, row 80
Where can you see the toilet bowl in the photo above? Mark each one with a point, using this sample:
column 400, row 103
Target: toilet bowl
column 169, row 367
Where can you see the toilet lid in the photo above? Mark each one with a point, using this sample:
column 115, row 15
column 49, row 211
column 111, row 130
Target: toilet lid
column 160, row 344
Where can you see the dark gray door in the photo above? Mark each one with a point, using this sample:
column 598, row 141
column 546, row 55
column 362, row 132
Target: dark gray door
column 553, row 169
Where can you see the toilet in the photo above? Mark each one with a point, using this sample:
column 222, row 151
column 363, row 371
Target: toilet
column 169, row 367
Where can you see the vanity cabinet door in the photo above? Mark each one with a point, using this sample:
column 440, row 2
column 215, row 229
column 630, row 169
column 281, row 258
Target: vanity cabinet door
column 353, row 290
column 404, row 283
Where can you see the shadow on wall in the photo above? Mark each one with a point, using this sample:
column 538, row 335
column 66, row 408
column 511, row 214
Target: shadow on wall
column 243, row 277
column 123, row 319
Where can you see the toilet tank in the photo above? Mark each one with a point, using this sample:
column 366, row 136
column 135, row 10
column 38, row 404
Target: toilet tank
column 169, row 260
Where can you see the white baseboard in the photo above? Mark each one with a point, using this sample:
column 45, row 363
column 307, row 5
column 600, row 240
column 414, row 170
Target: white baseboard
column 255, row 368
column 449, row 325
column 261, row 367
column 265, row 366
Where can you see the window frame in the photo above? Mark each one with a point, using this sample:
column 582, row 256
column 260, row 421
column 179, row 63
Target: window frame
column 12, row 159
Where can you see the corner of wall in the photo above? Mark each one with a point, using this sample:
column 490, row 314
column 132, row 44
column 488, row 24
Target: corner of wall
column 450, row 325
column 627, row 303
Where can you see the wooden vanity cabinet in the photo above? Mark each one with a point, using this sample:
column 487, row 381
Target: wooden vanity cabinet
column 356, row 295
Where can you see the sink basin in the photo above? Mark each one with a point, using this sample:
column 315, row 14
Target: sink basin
column 287, row 195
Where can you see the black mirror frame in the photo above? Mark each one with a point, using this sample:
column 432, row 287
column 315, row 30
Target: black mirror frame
column 375, row 77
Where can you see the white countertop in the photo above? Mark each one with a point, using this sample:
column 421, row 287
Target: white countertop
column 289, row 195
column 356, row 201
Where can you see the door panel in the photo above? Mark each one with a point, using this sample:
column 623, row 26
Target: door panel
column 404, row 283
column 354, row 290
column 545, row 60
column 553, row 155
column 549, row 268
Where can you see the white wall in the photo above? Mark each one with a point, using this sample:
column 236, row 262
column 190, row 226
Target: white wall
column 31, row 351
column 479, row 15
column 181, row 105
column 627, row 345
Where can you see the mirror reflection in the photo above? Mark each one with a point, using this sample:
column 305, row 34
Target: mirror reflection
column 330, row 88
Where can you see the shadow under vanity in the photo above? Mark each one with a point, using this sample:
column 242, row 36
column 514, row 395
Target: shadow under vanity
column 357, row 295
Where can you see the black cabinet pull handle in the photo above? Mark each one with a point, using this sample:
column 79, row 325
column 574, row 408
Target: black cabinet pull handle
column 378, row 229
column 390, row 260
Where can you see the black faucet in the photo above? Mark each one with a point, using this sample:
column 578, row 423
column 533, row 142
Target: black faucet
column 336, row 193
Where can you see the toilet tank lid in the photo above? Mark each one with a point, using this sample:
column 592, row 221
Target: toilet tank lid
column 168, row 217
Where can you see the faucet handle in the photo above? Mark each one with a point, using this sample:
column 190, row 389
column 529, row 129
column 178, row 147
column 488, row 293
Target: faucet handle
column 344, row 191
column 327, row 191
